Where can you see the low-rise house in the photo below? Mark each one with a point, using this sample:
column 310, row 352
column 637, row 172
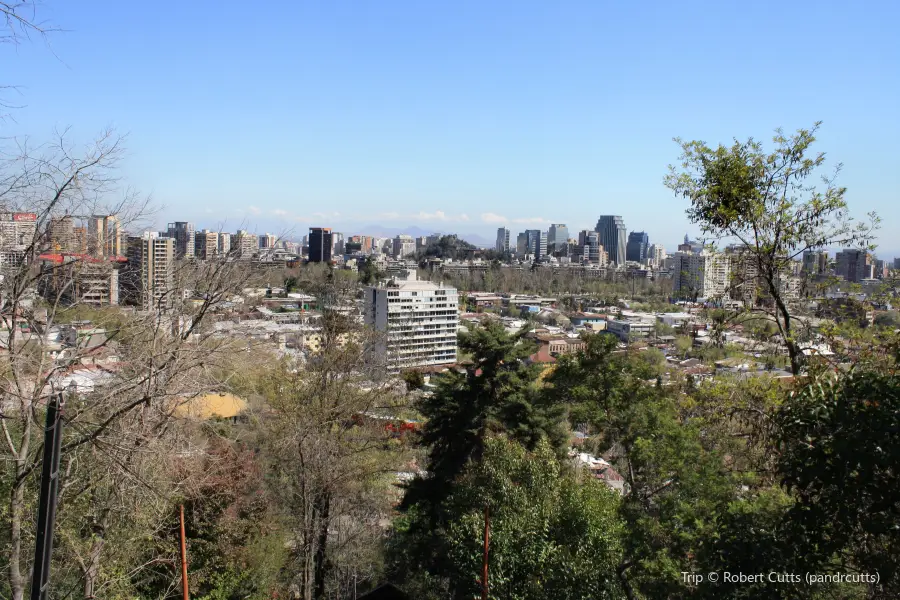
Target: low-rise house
column 599, row 469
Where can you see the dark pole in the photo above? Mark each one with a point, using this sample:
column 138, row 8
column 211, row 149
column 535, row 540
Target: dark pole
column 43, row 548
column 184, row 579
column 487, row 540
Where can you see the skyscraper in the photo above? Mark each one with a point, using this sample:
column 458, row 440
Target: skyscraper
column 244, row 244
column 854, row 265
column 557, row 237
column 815, row 262
column 636, row 248
column 502, row 245
column 206, row 244
column 536, row 243
column 320, row 244
column 267, row 241
column 589, row 242
column 612, row 237
column 104, row 236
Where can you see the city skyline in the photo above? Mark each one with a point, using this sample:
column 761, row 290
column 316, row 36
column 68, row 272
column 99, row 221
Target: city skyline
column 388, row 120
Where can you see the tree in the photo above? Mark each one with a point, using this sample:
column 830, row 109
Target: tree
column 496, row 393
column 768, row 204
column 414, row 379
column 554, row 533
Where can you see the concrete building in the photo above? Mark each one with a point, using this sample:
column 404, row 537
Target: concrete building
column 700, row 275
column 267, row 241
column 104, row 236
column 854, row 265
column 656, row 256
column 62, row 234
column 183, row 234
column 17, row 237
column 502, row 244
column 150, row 273
column 224, row 243
column 403, row 246
column 337, row 244
column 591, row 250
column 244, row 244
column 418, row 320
column 557, row 237
column 206, row 244
column 320, row 244
column 613, row 238
column 637, row 246
column 629, row 331
column 815, row 262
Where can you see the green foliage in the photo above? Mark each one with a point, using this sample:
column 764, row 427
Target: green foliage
column 553, row 535
column 839, row 455
column 496, row 393
column 447, row 246
column 414, row 379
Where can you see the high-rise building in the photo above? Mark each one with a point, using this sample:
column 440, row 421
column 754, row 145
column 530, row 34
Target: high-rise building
column 403, row 245
column 206, row 244
column 104, row 236
column 224, row 243
column 337, row 240
column 267, row 241
column 536, row 243
column 502, row 244
column 656, row 256
column 897, row 264
column 522, row 244
column 62, row 234
column 244, row 244
column 854, row 265
column 150, row 272
column 320, row 244
column 183, row 234
column 701, row 275
column 815, row 262
column 17, row 237
column 636, row 248
column 557, row 237
column 612, row 237
column 418, row 320
column 881, row 269
column 591, row 250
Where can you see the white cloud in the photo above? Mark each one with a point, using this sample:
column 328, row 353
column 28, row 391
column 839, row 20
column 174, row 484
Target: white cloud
column 279, row 212
column 493, row 218
column 531, row 220
column 254, row 209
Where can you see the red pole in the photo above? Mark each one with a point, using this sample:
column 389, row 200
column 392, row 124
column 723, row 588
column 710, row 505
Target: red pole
column 184, row 579
column 487, row 541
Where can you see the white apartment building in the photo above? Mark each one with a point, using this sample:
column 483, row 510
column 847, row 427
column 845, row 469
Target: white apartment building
column 656, row 256
column 419, row 320
column 701, row 275
column 151, row 265
column 206, row 244
column 17, row 235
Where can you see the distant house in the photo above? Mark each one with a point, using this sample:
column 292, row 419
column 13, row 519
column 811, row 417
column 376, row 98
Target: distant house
column 579, row 319
column 599, row 469
column 628, row 331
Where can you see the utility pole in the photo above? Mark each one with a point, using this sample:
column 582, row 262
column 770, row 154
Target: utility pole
column 184, row 579
column 43, row 547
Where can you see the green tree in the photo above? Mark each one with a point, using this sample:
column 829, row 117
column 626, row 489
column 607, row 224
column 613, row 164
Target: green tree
column 554, row 533
column 768, row 202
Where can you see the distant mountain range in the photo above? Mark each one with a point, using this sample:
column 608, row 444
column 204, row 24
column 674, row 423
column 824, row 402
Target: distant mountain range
column 380, row 231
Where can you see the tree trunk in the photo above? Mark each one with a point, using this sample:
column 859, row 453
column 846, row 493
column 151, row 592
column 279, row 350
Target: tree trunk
column 92, row 570
column 16, row 508
column 323, row 508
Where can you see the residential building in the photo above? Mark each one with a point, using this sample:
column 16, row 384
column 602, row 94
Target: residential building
column 244, row 244
column 321, row 244
column 75, row 278
column 557, row 237
column 854, row 265
column 815, row 262
column 629, row 331
column 224, row 243
column 612, row 237
column 17, row 237
column 418, row 320
column 183, row 234
column 881, row 269
column 267, row 241
column 402, row 246
column 502, row 245
column 637, row 246
column 591, row 250
column 206, row 244
column 656, row 256
column 337, row 244
column 62, row 234
column 700, row 275
column 150, row 272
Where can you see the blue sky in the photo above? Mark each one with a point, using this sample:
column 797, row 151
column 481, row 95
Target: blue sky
column 459, row 116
